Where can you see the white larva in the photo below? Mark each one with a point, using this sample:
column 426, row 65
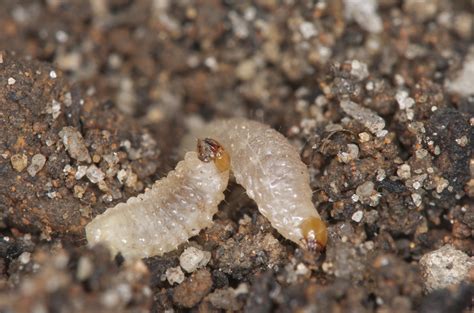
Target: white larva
column 180, row 205
column 176, row 208
column 271, row 171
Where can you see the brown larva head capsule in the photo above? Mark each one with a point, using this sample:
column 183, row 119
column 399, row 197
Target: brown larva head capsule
column 211, row 150
column 315, row 235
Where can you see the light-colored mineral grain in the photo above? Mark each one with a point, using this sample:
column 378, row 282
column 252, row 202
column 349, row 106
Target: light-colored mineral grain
column 445, row 267
column 192, row 259
column 74, row 144
column 37, row 163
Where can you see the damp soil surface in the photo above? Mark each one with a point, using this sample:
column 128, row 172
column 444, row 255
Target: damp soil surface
column 377, row 96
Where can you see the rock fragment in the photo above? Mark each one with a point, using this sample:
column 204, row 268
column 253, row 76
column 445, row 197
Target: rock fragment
column 19, row 162
column 37, row 164
column 84, row 268
column 174, row 275
column 225, row 299
column 364, row 12
column 421, row 9
column 192, row 259
column 357, row 216
column 193, row 289
column 359, row 70
column 462, row 84
column 74, row 144
column 95, row 174
column 371, row 120
column 351, row 154
column 445, row 267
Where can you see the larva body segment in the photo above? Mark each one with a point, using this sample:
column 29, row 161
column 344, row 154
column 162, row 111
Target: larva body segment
column 271, row 171
column 176, row 208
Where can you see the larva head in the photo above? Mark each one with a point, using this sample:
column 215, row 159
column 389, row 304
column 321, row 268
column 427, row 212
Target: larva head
column 315, row 235
column 211, row 150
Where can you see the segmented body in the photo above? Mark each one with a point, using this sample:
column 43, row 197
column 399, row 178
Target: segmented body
column 272, row 173
column 176, row 208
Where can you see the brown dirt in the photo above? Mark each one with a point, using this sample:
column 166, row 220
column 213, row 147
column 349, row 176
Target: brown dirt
column 94, row 100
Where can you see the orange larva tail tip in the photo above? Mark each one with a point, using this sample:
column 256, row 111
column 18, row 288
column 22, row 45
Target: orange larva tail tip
column 211, row 150
column 315, row 233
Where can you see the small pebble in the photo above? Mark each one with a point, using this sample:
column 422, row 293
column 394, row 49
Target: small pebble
column 445, row 267
column 404, row 171
column 37, row 163
column 11, row 81
column 174, row 275
column 367, row 194
column 381, row 174
column 225, row 299
column 359, row 70
column 371, row 120
column 79, row 191
column 54, row 109
column 19, row 162
column 403, row 100
column 246, row 70
column 84, row 268
column 96, row 158
column 74, row 144
column 442, row 184
column 462, row 84
column 81, row 171
column 308, row 30
column 351, row 154
column 192, row 259
column 53, row 74
column 463, row 141
column 95, row 174
column 302, row 270
column 364, row 137
column 25, row 257
column 365, row 190
column 242, row 289
column 421, row 9
column 121, row 175
column 364, row 12
column 193, row 289
column 357, row 216
column 416, row 199
column 421, row 153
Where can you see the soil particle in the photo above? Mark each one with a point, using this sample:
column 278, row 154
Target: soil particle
column 445, row 267
column 225, row 299
column 174, row 275
column 374, row 123
column 74, row 144
column 193, row 258
column 19, row 162
column 37, row 163
column 193, row 289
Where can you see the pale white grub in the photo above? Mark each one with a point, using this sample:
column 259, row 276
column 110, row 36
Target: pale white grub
column 176, row 208
column 270, row 169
